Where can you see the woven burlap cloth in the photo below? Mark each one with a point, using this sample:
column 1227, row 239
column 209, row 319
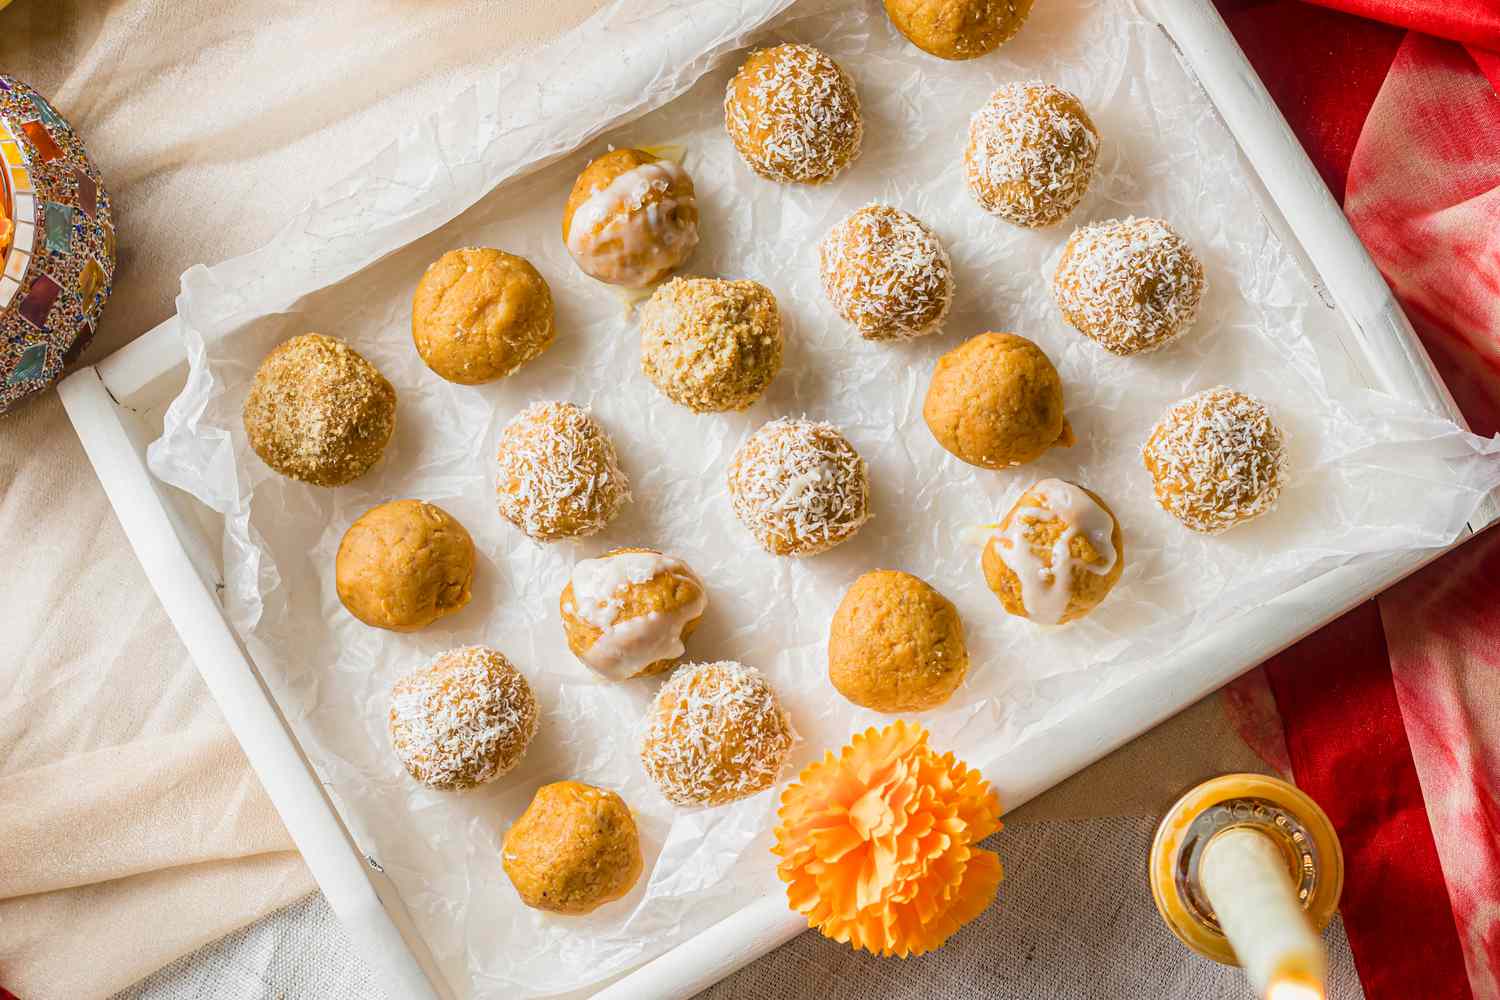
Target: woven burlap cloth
column 133, row 831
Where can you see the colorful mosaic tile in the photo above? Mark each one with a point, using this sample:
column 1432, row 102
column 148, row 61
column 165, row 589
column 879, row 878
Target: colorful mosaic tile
column 90, row 283
column 59, row 226
column 30, row 365
column 39, row 299
column 46, row 147
column 45, row 109
column 88, row 193
column 59, row 269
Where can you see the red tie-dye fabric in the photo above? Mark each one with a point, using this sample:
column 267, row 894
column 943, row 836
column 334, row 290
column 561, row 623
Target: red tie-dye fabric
column 1399, row 109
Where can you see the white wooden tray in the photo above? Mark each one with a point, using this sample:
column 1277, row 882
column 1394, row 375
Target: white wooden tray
column 117, row 405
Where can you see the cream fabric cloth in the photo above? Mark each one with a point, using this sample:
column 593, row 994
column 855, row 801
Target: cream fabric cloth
column 133, row 830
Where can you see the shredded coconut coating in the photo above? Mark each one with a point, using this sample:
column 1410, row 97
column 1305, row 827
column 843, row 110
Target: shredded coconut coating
column 799, row 486
column 793, row 114
column 715, row 733
column 1031, row 154
column 464, row 719
column 1132, row 284
column 1217, row 460
column 709, row 344
column 887, row 274
column 559, row 476
column 319, row 412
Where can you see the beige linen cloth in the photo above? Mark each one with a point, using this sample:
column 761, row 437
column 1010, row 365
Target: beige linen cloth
column 131, row 828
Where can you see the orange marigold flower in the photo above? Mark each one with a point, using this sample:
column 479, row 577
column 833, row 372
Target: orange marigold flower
column 878, row 845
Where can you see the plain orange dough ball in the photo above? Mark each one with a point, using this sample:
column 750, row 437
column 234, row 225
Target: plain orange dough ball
column 896, row 644
column 403, row 565
column 574, row 849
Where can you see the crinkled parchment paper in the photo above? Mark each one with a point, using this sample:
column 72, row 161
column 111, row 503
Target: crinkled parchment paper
column 1372, row 473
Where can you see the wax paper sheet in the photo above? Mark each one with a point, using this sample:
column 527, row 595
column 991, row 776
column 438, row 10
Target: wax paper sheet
column 1372, row 473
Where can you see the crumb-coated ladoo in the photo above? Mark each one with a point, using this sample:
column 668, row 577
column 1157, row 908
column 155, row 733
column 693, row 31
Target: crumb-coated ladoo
column 462, row 720
column 558, row 474
column 709, row 344
column 996, row 401
column 799, row 486
column 793, row 114
column 715, row 733
column 958, row 29
column 1056, row 555
column 631, row 219
column 1031, row 154
column 1217, row 459
column 479, row 313
column 403, row 565
column 318, row 412
column 629, row 612
column 574, row 849
column 895, row 644
column 1130, row 285
column 886, row 273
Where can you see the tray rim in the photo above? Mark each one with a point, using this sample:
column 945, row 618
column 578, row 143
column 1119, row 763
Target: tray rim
column 181, row 569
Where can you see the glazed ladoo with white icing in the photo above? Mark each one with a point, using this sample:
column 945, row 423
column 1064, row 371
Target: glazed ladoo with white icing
column 715, row 733
column 793, row 114
column 1216, row 459
column 631, row 219
column 958, row 29
column 462, row 720
column 1056, row 554
column 886, row 273
column 1031, row 155
column 799, row 487
column 1131, row 285
column 318, row 412
column 996, row 401
column 558, row 475
column 709, row 344
column 629, row 612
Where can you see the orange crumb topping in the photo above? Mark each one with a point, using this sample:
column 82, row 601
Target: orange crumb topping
column 878, row 845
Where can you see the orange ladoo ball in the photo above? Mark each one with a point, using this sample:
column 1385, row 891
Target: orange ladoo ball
column 715, row 733
column 1056, row 555
column 793, row 114
column 631, row 218
column 464, row 719
column 1217, row 459
column 629, row 612
column 574, row 849
column 958, row 29
column 895, row 644
column 558, row 475
column 317, row 411
column 799, row 487
column 1130, row 285
column 478, row 314
column 403, row 565
column 996, row 401
column 1031, row 154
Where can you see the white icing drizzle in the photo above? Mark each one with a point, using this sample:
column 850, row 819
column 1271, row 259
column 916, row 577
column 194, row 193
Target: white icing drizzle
column 1046, row 585
column 625, row 647
column 618, row 237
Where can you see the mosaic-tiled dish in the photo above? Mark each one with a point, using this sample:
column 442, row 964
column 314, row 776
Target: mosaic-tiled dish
column 59, row 265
